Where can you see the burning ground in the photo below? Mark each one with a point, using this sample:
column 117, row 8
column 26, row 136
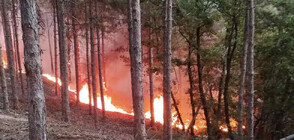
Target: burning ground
column 116, row 126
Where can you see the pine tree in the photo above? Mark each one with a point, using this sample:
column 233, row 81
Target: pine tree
column 3, row 83
column 76, row 51
column 93, row 64
column 134, row 25
column 33, row 66
column 167, row 116
column 55, row 46
column 63, row 61
column 250, row 65
column 9, row 51
column 100, row 62
column 14, row 13
column 242, row 79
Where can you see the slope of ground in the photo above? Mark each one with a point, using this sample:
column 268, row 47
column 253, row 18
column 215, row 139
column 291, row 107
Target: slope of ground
column 14, row 124
column 116, row 126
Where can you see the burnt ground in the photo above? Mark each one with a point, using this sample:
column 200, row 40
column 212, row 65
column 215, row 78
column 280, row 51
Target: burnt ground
column 116, row 126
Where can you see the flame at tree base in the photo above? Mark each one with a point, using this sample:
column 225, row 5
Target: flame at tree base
column 158, row 111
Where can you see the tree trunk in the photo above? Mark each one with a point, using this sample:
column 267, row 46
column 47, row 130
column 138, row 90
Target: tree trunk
column 55, row 48
column 242, row 79
column 202, row 95
column 100, row 63
column 63, row 61
column 87, row 58
column 33, row 66
column 93, row 64
column 167, row 116
column 9, row 51
column 178, row 111
column 193, row 121
column 77, row 52
column 69, row 43
column 191, row 90
column 3, row 83
column 49, row 43
column 151, row 78
column 136, row 69
column 229, row 58
column 250, row 119
column 14, row 12
column 103, row 50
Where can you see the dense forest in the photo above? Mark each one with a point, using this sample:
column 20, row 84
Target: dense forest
column 147, row 69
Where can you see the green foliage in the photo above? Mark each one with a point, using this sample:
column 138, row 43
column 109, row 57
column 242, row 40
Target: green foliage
column 275, row 65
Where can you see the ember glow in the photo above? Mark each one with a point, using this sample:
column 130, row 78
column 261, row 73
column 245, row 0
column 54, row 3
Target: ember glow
column 4, row 59
column 158, row 110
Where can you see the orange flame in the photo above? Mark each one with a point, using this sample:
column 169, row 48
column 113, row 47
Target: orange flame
column 4, row 59
column 84, row 98
column 158, row 110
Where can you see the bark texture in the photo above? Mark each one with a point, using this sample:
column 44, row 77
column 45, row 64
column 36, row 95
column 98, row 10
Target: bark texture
column 50, row 47
column 76, row 51
column 33, row 66
column 55, row 47
column 14, row 13
column 178, row 111
column 167, row 115
column 3, row 83
column 191, row 91
column 200, row 83
column 63, row 61
column 101, row 85
column 69, row 47
column 250, row 118
column 242, row 79
column 9, row 51
column 87, row 58
column 93, row 64
column 151, row 78
column 136, row 69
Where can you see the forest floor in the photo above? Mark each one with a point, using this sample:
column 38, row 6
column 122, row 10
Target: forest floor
column 116, row 126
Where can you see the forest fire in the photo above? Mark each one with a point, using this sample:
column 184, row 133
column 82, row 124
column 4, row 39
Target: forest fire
column 158, row 111
column 84, row 98
column 4, row 59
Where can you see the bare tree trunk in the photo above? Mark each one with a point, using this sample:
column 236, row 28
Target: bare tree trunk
column 191, row 90
column 50, row 47
column 193, row 121
column 136, row 68
column 167, row 116
column 93, row 64
column 250, row 119
column 69, row 43
column 103, row 49
column 63, row 61
column 33, row 66
column 99, row 62
column 178, row 111
column 9, row 51
column 151, row 78
column 242, row 79
column 77, row 52
column 87, row 58
column 202, row 94
column 227, row 79
column 14, row 12
column 3, row 83
column 55, row 48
